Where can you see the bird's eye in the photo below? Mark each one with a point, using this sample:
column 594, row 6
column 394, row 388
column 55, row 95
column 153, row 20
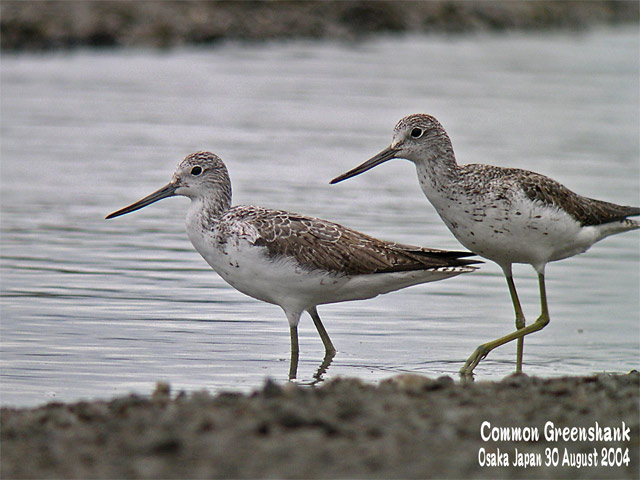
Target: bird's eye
column 416, row 132
column 197, row 170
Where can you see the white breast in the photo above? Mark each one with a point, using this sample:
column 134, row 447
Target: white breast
column 512, row 230
column 283, row 282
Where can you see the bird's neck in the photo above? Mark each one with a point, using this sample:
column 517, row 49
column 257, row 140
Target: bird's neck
column 437, row 167
column 205, row 212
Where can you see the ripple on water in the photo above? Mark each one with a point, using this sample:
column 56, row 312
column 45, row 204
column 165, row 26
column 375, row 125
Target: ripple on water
column 92, row 308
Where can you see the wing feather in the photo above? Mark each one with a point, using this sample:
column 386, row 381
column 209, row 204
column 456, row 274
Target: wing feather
column 587, row 211
column 320, row 244
column 500, row 181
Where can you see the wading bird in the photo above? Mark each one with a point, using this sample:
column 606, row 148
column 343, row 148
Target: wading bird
column 291, row 260
column 507, row 215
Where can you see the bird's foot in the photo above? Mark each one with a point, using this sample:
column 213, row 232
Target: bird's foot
column 472, row 362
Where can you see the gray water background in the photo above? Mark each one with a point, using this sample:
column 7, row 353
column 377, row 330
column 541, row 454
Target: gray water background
column 94, row 308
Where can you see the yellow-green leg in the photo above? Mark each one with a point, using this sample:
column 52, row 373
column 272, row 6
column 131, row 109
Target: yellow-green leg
column 330, row 350
column 328, row 346
column 483, row 350
column 295, row 352
column 520, row 321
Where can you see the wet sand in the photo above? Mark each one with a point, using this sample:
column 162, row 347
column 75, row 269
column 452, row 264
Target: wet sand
column 406, row 427
column 44, row 25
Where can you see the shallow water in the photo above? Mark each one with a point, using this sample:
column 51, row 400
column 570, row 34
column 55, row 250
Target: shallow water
column 94, row 308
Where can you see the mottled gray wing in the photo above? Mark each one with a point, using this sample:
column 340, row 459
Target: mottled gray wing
column 323, row 245
column 585, row 210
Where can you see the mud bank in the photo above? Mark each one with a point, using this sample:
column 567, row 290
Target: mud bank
column 405, row 427
column 43, row 25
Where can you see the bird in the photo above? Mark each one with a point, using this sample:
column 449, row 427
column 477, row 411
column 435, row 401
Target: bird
column 507, row 215
column 294, row 261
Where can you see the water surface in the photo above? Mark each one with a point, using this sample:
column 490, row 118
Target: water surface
column 94, row 308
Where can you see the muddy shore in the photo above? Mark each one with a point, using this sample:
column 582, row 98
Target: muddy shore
column 405, row 427
column 55, row 24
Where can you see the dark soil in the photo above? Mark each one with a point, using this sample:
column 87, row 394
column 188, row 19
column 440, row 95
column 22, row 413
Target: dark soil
column 406, row 427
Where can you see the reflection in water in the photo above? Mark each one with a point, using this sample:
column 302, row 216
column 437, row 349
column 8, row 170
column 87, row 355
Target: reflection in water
column 322, row 369
column 95, row 309
column 318, row 376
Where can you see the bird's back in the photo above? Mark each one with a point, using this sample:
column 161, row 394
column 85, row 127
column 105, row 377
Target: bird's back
column 546, row 191
column 317, row 244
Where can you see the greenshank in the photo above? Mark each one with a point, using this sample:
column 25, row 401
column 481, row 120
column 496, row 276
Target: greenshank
column 293, row 261
column 507, row 215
